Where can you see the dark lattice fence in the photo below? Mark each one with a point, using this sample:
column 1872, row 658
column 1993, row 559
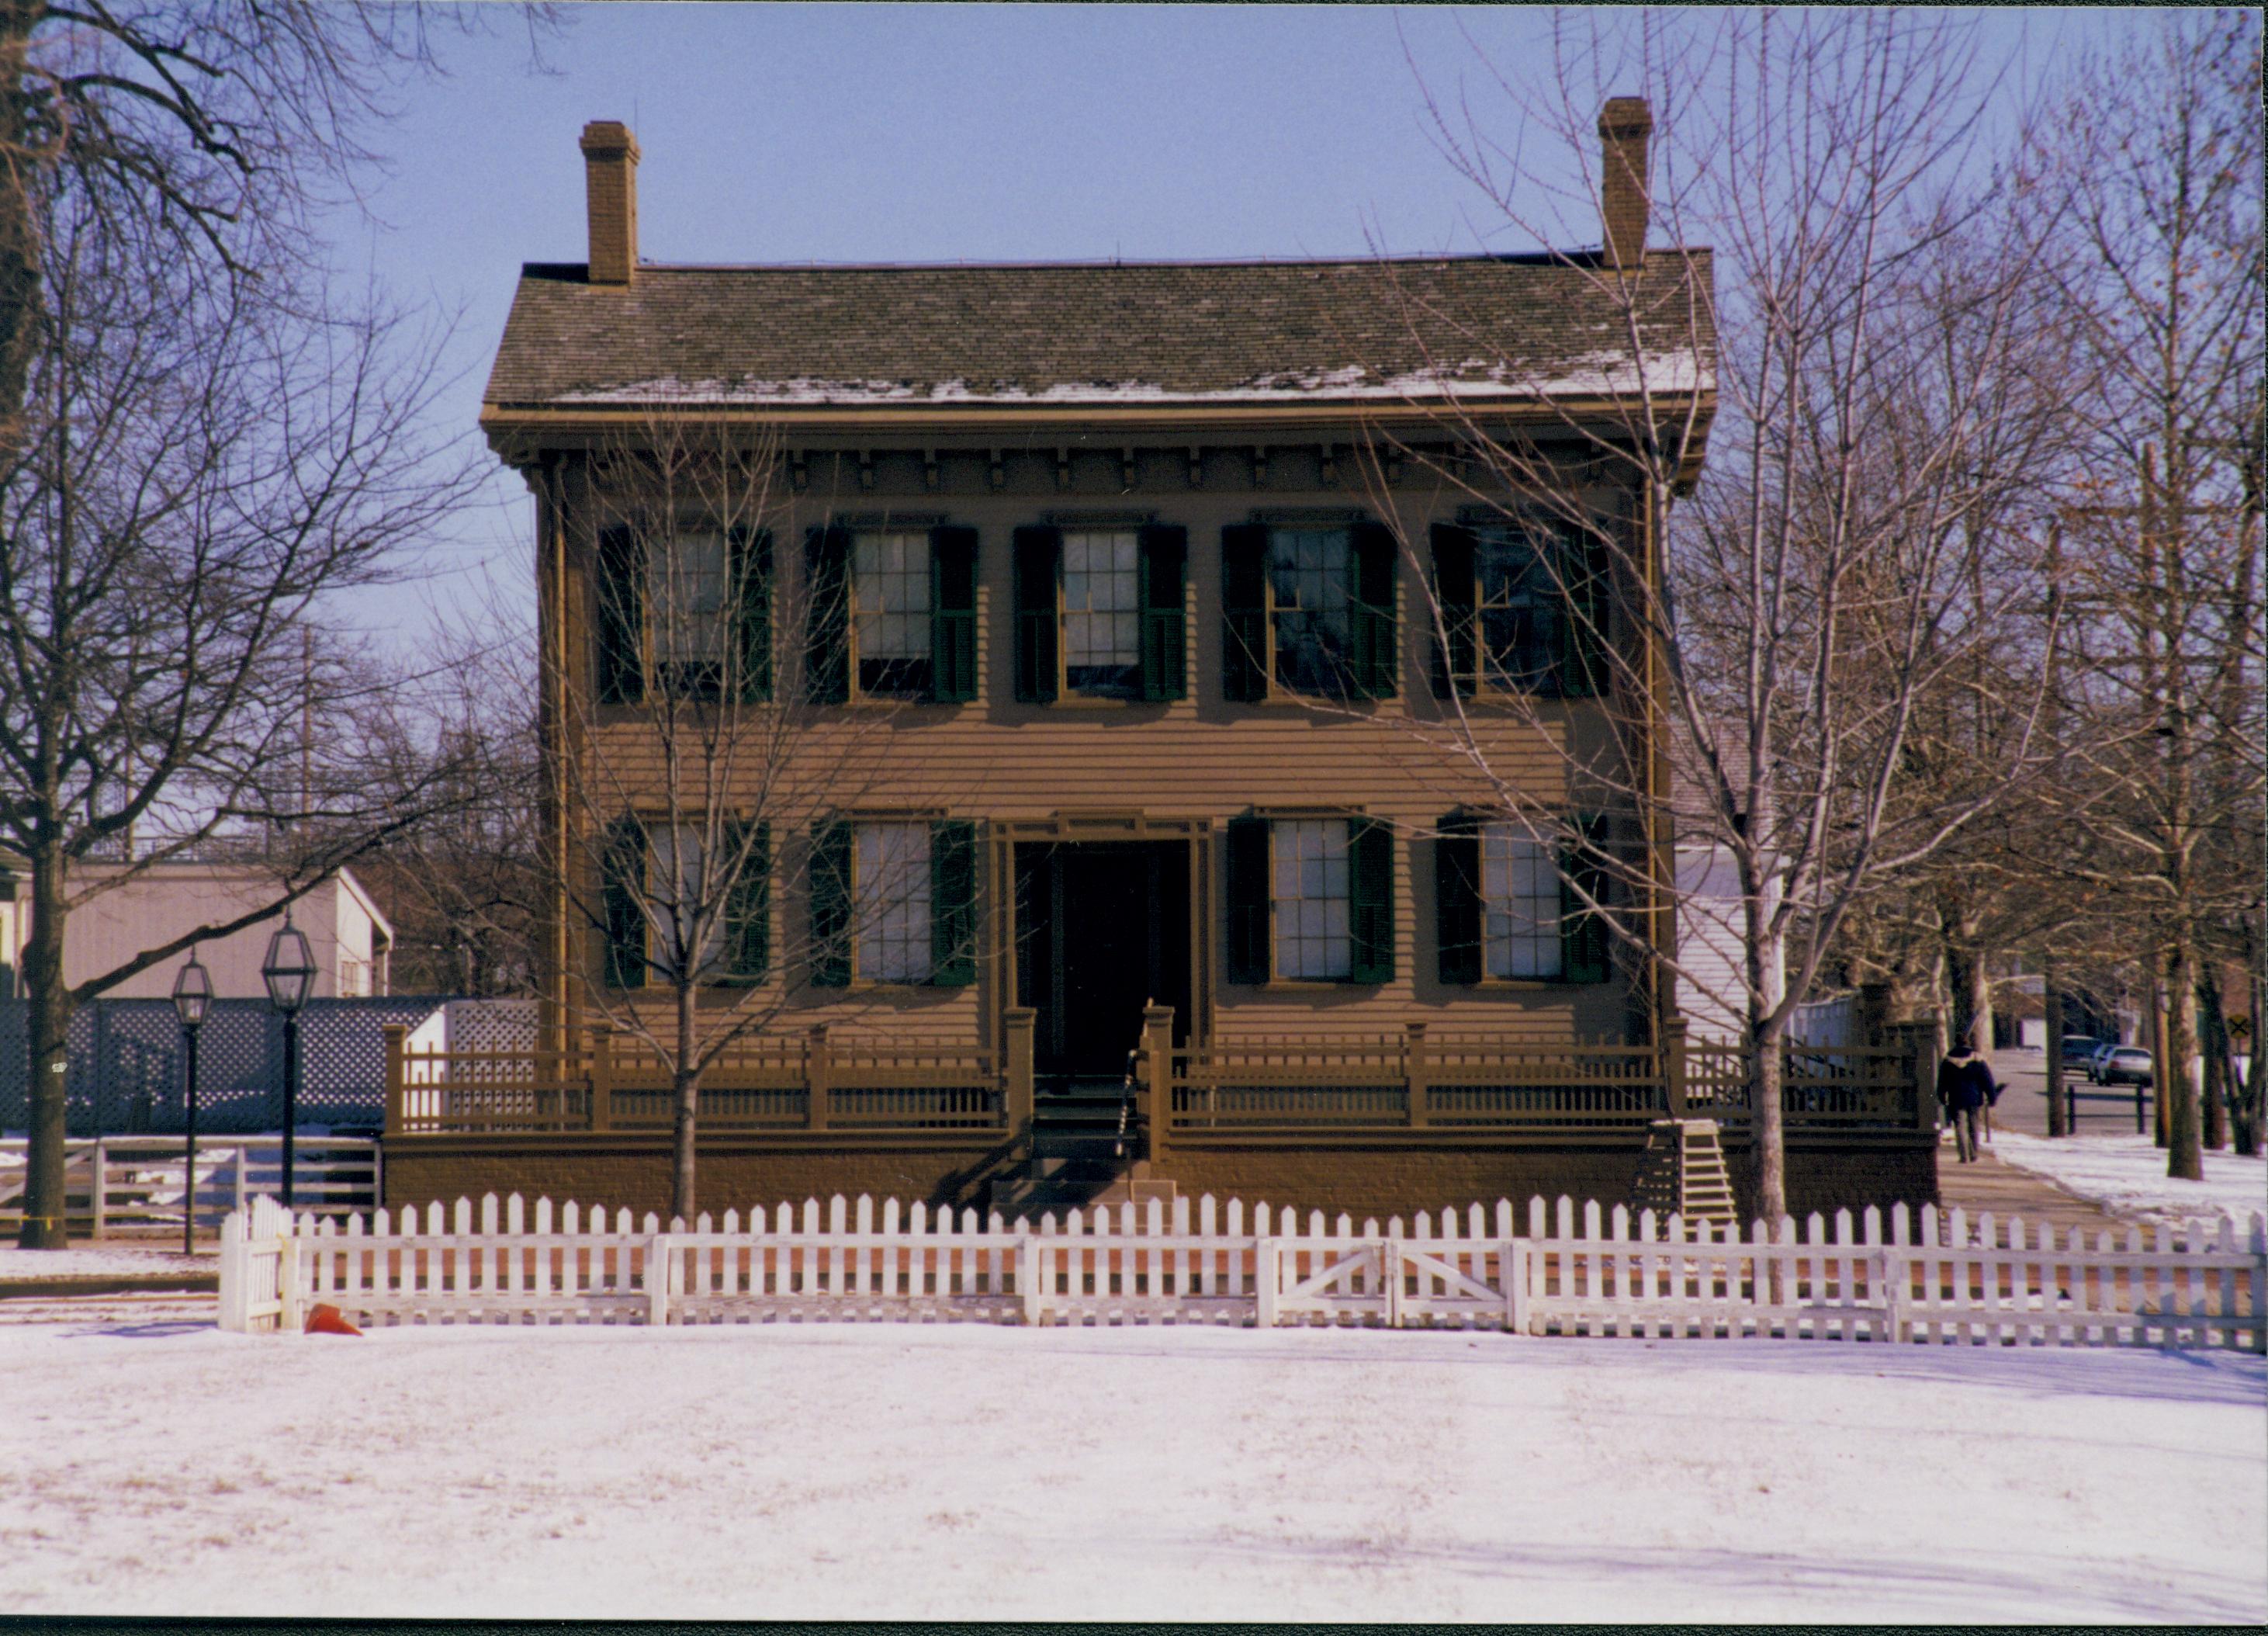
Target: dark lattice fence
column 126, row 1074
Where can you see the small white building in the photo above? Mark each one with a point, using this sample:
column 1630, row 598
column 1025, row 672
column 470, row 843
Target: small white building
column 352, row 941
column 1710, row 937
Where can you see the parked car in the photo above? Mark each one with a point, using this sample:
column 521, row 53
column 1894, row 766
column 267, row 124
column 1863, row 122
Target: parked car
column 2126, row 1065
column 2077, row 1048
column 2095, row 1062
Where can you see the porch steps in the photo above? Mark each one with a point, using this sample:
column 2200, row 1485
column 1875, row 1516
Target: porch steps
column 1682, row 1171
column 1077, row 1158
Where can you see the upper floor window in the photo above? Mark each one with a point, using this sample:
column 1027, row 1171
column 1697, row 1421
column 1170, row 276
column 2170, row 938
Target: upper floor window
column 1524, row 606
column 892, row 613
column 682, row 614
column 1101, row 611
column 1309, row 900
column 1510, row 905
column 1307, row 609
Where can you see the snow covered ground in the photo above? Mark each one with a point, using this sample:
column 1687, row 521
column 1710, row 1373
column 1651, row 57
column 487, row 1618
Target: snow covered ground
column 823, row 1471
column 2127, row 1174
column 107, row 1259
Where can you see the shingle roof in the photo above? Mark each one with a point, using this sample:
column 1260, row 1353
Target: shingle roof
column 1093, row 333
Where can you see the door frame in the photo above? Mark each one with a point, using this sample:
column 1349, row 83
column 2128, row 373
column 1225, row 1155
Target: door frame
column 1072, row 828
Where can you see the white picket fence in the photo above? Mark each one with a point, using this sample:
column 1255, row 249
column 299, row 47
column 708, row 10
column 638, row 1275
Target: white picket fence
column 2194, row 1286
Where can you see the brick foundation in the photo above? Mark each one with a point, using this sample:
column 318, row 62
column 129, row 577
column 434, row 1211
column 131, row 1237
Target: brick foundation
column 633, row 1172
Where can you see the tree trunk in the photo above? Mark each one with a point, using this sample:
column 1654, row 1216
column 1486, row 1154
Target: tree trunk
column 50, row 1058
column 2185, row 1155
column 2212, row 1040
column 20, row 302
column 2051, row 1010
column 1769, row 1121
column 685, row 1080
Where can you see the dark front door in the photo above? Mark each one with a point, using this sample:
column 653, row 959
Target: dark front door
column 1104, row 929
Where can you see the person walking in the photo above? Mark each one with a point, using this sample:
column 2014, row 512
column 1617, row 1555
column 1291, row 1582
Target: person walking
column 1965, row 1083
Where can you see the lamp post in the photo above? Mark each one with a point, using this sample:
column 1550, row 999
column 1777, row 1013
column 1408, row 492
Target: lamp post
column 192, row 993
column 289, row 971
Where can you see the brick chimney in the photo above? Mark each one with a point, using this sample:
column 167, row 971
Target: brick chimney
column 1624, row 124
column 610, row 157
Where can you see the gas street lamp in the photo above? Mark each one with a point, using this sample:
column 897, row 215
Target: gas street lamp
column 289, row 971
column 192, row 993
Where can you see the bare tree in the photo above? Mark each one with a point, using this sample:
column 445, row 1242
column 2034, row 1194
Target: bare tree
column 707, row 759
column 192, row 479
column 1867, row 336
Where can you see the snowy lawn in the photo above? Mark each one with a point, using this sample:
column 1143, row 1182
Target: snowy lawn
column 107, row 1260
column 892, row 1472
column 2127, row 1174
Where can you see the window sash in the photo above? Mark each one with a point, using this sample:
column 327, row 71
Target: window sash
column 676, row 880
column 688, row 577
column 1311, row 894
column 1520, row 904
column 894, row 903
column 1310, row 573
column 891, row 608
column 1101, row 609
column 1518, row 607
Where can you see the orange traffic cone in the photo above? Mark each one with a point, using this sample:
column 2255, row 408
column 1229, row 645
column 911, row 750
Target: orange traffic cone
column 328, row 1320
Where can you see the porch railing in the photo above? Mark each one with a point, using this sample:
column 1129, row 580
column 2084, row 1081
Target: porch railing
column 1414, row 1081
column 608, row 1082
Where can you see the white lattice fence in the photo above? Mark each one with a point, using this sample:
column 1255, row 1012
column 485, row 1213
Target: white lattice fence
column 1940, row 1281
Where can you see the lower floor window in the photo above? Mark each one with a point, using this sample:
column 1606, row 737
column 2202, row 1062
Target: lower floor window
column 894, row 940
column 1519, row 889
column 1314, row 937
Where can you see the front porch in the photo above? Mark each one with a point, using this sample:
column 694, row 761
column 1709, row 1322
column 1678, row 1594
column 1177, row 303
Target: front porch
column 1355, row 1122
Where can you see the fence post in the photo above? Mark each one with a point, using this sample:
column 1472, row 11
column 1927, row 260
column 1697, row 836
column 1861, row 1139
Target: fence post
column 660, row 1274
column 1157, row 1072
column 1891, row 1268
column 397, row 1037
column 602, row 1076
column 818, row 1072
column 99, row 1185
column 242, row 1150
column 287, row 1277
column 1513, row 1259
column 1021, row 1022
column 1390, row 1267
column 1028, row 1276
column 1672, row 1066
column 1267, row 1271
column 1414, row 1070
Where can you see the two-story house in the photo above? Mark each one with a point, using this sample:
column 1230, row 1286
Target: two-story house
column 1143, row 560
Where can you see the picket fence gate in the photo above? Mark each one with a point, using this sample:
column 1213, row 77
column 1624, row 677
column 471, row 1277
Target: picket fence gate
column 1936, row 1279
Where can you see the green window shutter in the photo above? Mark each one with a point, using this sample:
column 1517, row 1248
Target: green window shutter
column 749, row 905
column 1459, row 914
column 827, row 652
column 1037, row 569
column 1244, row 612
column 1585, row 569
column 1583, row 934
column 623, row 872
column 619, row 617
column 1370, row 907
column 952, row 614
column 953, row 902
column 1165, row 599
column 752, row 579
column 1374, row 626
column 832, row 863
column 1244, row 885
column 1456, row 668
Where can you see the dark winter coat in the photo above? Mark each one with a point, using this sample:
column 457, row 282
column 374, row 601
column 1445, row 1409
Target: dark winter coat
column 1966, row 1082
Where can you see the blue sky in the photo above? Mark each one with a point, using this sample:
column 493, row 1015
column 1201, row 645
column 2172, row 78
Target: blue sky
column 880, row 132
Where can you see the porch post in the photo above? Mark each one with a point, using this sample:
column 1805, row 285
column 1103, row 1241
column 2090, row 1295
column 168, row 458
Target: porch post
column 602, row 1077
column 1672, row 1066
column 1414, row 1070
column 818, row 1069
column 1158, row 1075
column 397, row 1036
column 1017, row 1070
